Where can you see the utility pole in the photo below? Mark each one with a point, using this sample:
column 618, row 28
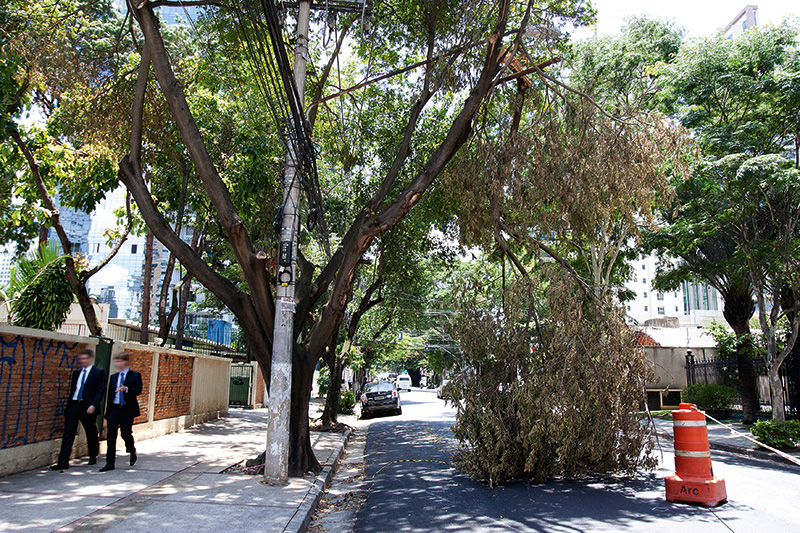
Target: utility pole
column 276, row 460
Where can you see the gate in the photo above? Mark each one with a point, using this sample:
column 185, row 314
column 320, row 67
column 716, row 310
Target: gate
column 241, row 383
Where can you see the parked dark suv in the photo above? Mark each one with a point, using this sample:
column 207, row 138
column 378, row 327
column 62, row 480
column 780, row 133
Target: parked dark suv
column 379, row 397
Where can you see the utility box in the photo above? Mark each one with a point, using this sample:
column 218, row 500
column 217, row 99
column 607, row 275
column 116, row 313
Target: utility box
column 241, row 382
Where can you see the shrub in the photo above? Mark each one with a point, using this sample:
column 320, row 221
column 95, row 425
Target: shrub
column 324, row 380
column 347, row 403
column 777, row 434
column 565, row 409
column 709, row 396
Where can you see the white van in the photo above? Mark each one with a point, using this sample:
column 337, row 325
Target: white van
column 403, row 382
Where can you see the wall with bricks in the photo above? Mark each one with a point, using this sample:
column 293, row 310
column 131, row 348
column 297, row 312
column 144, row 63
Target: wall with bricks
column 173, row 386
column 35, row 376
column 35, row 369
column 261, row 389
column 142, row 362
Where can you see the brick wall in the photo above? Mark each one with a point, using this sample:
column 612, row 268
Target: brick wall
column 35, row 369
column 173, row 386
column 142, row 362
column 35, row 376
column 259, row 386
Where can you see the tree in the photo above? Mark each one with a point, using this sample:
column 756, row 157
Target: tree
column 563, row 180
column 739, row 96
column 761, row 211
column 40, row 67
column 420, row 28
column 531, row 393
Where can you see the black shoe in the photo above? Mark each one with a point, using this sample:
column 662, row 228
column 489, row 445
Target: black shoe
column 92, row 461
column 107, row 468
column 59, row 466
column 133, row 458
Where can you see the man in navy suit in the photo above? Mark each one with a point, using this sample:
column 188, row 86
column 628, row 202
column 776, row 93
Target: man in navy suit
column 85, row 396
column 122, row 408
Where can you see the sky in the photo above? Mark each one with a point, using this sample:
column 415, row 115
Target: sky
column 698, row 17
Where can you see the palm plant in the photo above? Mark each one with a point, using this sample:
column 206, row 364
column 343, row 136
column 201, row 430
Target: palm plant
column 38, row 294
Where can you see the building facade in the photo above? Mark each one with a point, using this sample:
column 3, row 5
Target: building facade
column 692, row 303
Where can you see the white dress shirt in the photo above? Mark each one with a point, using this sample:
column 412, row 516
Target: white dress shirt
column 118, row 399
column 82, row 377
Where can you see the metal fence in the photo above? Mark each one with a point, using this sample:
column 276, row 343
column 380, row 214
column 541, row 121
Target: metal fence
column 132, row 333
column 713, row 370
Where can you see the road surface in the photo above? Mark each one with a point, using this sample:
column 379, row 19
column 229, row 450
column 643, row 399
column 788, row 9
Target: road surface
column 408, row 485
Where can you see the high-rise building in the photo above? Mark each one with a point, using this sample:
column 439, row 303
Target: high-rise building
column 745, row 20
column 692, row 303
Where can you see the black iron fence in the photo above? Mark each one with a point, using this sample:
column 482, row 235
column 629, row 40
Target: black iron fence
column 710, row 369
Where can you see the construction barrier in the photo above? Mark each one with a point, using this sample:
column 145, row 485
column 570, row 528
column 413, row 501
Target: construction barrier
column 694, row 479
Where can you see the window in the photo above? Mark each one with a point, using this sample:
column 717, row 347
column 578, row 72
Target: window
column 97, row 248
column 644, row 294
column 645, row 308
column 644, row 280
column 133, row 248
column 661, row 311
column 642, row 267
column 659, row 296
column 629, row 308
column 676, row 308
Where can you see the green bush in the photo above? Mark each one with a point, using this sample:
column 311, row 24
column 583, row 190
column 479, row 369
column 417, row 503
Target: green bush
column 347, row 403
column 709, row 397
column 324, row 380
column 777, row 434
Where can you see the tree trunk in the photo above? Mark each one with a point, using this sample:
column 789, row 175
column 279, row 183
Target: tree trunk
column 738, row 309
column 301, row 455
column 184, row 302
column 329, row 415
column 165, row 318
column 147, row 279
column 43, row 233
column 776, row 392
column 78, row 285
column 186, row 288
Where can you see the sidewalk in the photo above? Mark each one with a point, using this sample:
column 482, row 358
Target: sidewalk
column 176, row 485
column 721, row 438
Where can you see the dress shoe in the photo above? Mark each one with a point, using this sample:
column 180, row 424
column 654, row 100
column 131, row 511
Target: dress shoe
column 133, row 458
column 107, row 468
column 59, row 467
column 92, row 461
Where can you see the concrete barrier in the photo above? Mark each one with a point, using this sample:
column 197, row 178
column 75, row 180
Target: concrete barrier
column 180, row 389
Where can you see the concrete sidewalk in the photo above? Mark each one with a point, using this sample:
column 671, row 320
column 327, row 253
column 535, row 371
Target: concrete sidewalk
column 721, row 438
column 176, row 485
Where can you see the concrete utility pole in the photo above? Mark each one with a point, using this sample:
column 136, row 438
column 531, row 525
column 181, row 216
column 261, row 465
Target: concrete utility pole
column 276, row 467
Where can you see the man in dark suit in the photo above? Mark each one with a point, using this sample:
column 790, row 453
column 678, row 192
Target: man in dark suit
column 122, row 408
column 85, row 395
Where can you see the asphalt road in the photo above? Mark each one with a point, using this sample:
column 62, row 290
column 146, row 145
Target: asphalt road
column 410, row 486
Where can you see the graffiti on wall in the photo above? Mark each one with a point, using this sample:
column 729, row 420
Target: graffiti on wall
column 34, row 383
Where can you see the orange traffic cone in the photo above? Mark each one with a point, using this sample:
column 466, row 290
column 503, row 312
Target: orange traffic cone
column 694, row 479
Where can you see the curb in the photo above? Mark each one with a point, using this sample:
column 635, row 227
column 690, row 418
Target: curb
column 737, row 450
column 302, row 517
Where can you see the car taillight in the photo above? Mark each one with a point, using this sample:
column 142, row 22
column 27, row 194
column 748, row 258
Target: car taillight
column 363, row 397
column 394, row 394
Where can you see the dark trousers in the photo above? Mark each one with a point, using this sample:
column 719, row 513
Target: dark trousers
column 75, row 414
column 122, row 422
